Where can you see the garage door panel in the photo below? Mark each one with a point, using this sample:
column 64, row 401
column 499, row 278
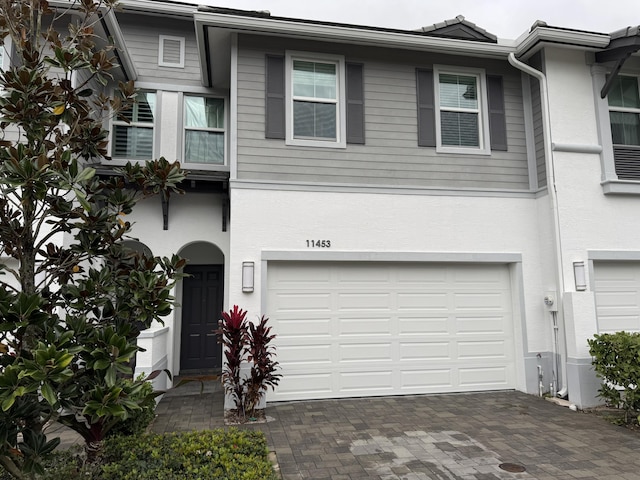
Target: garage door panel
column 479, row 301
column 389, row 328
column 304, row 385
column 364, row 274
column 365, row 352
column 423, row 326
column 291, row 356
column 427, row 381
column 313, row 327
column 481, row 325
column 482, row 349
column 425, row 351
column 422, row 301
column 619, row 323
column 302, row 302
column 372, row 326
column 365, row 381
column 491, row 377
column 363, row 301
column 617, row 291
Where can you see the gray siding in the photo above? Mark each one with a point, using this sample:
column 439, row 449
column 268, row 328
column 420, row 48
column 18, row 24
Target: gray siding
column 538, row 131
column 391, row 155
column 141, row 34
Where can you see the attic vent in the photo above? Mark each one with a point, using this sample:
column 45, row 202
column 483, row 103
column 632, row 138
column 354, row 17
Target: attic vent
column 171, row 52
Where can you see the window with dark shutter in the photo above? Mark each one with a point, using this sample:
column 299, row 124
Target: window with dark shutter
column 497, row 121
column 355, row 103
column 275, row 97
column 426, row 108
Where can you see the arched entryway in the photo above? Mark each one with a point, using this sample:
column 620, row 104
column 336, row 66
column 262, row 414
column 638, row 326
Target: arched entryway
column 201, row 303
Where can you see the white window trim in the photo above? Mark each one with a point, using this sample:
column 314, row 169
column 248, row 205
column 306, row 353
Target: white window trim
column 203, row 166
column 341, row 123
column 625, row 109
column 161, row 62
column 483, row 115
column 115, row 122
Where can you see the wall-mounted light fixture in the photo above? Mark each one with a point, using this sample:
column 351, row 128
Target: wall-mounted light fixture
column 580, row 276
column 247, row 276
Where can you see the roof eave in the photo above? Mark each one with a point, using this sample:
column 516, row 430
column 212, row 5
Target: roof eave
column 541, row 36
column 350, row 34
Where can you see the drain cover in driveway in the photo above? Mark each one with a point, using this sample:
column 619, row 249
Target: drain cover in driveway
column 512, row 467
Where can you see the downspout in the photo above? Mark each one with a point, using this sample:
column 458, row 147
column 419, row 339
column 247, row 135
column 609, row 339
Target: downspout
column 550, row 166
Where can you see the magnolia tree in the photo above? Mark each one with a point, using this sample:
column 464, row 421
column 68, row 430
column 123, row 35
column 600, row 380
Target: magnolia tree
column 73, row 298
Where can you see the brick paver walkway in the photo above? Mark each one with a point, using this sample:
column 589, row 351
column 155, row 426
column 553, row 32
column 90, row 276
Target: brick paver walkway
column 442, row 437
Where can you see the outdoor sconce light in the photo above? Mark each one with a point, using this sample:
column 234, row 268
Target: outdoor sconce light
column 580, row 276
column 247, row 276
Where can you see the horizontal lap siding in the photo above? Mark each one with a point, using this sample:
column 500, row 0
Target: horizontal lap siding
column 142, row 38
column 391, row 155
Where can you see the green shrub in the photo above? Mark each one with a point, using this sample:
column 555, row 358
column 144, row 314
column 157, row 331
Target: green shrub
column 211, row 454
column 616, row 359
column 137, row 422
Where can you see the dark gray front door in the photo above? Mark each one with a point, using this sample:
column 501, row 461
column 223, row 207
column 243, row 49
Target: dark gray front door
column 201, row 307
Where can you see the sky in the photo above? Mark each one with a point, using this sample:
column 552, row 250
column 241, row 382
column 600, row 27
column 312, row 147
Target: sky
column 507, row 19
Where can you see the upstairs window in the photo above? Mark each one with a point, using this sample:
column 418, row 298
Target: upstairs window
column 315, row 99
column 204, row 136
column 624, row 111
column 134, row 140
column 462, row 122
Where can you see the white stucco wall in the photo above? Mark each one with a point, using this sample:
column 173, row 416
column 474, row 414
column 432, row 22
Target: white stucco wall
column 589, row 220
column 193, row 217
column 355, row 222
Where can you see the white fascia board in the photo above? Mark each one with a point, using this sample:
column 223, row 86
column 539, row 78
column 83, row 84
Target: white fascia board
column 123, row 51
column 561, row 38
column 352, row 35
column 155, row 7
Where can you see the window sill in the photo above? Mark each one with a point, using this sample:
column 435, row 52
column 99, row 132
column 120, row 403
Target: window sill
column 463, row 151
column 620, row 187
column 298, row 142
column 210, row 167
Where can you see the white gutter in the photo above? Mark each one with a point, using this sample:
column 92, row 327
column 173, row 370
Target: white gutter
column 551, row 187
column 350, row 34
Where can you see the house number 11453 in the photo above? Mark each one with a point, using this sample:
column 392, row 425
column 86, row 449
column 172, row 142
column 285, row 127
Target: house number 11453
column 318, row 243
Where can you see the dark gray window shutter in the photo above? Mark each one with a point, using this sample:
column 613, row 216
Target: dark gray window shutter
column 275, row 97
column 355, row 103
column 497, row 121
column 426, row 108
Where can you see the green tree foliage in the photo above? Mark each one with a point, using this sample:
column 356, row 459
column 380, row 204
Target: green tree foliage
column 72, row 297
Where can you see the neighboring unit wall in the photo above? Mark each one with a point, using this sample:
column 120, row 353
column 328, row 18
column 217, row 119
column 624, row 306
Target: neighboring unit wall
column 391, row 156
column 594, row 226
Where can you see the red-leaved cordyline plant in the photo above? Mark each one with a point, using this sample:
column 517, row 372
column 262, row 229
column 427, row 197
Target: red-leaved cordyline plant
column 251, row 343
column 233, row 332
column 263, row 367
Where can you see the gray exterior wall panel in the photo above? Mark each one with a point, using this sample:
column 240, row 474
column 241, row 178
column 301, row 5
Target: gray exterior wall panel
column 142, row 39
column 391, row 155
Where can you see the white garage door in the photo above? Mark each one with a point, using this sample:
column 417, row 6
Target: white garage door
column 349, row 329
column 617, row 287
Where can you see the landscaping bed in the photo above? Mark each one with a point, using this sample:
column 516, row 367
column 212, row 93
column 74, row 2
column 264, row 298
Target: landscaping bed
column 213, row 454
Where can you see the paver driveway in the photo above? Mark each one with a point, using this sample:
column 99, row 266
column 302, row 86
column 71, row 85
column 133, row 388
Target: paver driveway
column 444, row 437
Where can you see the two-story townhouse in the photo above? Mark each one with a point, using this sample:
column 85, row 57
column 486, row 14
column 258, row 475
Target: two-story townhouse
column 384, row 201
column 419, row 211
